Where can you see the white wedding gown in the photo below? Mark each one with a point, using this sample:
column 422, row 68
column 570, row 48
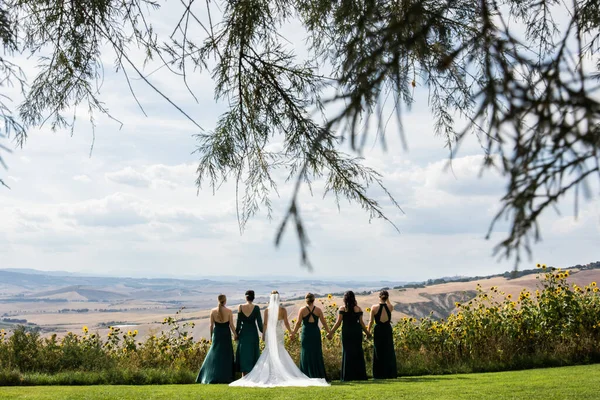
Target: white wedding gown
column 275, row 367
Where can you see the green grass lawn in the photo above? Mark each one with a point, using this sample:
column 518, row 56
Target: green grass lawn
column 581, row 382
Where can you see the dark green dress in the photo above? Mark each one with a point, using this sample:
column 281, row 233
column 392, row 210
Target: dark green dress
column 311, row 352
column 248, row 350
column 218, row 366
column 353, row 358
column 384, row 357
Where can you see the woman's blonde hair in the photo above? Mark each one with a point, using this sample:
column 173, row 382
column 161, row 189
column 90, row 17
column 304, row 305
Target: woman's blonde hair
column 274, row 292
column 222, row 299
column 310, row 298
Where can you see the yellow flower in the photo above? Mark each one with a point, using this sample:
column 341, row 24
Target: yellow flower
column 595, row 290
column 85, row 329
column 368, row 309
column 509, row 296
column 538, row 265
column 593, row 284
column 543, row 266
column 135, row 332
column 329, row 296
column 129, row 333
column 333, row 305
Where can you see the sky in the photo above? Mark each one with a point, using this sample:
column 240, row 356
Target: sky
column 132, row 208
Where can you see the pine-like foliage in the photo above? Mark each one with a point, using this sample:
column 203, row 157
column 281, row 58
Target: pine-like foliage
column 507, row 71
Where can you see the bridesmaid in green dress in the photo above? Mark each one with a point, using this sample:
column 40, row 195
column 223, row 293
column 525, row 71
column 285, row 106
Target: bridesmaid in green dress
column 248, row 349
column 311, row 352
column 353, row 357
column 384, row 357
column 218, row 366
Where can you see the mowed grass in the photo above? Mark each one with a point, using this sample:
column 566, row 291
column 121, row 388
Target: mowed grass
column 581, row 382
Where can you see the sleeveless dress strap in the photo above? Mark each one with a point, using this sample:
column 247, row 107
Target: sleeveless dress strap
column 389, row 313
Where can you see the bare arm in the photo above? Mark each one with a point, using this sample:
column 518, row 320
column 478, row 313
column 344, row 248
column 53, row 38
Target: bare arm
column 324, row 322
column 336, row 326
column 238, row 326
column 364, row 328
column 265, row 324
column 286, row 322
column 371, row 318
column 232, row 326
column 298, row 321
column 260, row 322
column 212, row 324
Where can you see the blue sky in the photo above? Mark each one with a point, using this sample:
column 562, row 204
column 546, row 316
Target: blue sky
column 132, row 208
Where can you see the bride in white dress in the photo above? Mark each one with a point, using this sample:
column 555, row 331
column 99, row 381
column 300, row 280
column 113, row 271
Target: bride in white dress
column 275, row 367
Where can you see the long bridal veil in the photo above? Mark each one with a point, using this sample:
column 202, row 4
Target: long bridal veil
column 275, row 367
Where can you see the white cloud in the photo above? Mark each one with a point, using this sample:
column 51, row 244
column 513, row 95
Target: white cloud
column 117, row 210
column 128, row 176
column 156, row 176
column 82, row 178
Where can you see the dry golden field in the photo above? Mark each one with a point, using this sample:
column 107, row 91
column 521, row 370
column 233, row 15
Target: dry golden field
column 146, row 315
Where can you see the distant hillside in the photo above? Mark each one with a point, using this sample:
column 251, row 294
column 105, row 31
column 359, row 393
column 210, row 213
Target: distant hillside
column 508, row 275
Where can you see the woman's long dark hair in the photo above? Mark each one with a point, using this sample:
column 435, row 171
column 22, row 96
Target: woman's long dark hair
column 349, row 300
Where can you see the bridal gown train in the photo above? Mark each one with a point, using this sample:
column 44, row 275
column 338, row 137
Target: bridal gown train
column 275, row 367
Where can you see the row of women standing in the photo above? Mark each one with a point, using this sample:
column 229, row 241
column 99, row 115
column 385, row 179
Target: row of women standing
column 220, row 364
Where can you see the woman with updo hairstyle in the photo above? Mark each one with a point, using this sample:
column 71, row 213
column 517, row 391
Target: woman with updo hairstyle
column 248, row 350
column 384, row 356
column 311, row 352
column 350, row 316
column 218, row 365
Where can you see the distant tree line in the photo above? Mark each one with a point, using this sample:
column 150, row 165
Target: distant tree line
column 73, row 310
column 14, row 320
